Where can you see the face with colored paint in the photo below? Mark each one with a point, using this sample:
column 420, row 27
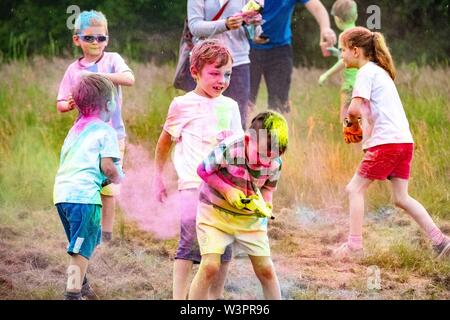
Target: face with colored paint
column 262, row 148
column 212, row 80
column 92, row 41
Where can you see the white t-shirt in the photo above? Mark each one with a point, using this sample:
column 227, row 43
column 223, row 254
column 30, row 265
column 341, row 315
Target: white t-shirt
column 198, row 124
column 383, row 118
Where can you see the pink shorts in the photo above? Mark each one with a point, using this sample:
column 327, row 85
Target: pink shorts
column 387, row 161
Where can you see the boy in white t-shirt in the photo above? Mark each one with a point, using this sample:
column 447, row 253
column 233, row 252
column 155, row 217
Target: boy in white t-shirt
column 387, row 140
column 195, row 124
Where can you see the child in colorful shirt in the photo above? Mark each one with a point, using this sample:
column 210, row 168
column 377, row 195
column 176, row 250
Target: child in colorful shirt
column 89, row 159
column 195, row 123
column 238, row 171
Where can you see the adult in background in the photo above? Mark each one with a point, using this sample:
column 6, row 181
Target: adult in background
column 271, row 53
column 229, row 29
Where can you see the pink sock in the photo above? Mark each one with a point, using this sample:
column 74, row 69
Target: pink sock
column 436, row 236
column 355, row 242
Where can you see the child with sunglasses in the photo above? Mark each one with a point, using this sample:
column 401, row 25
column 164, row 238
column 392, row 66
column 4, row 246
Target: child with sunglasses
column 91, row 35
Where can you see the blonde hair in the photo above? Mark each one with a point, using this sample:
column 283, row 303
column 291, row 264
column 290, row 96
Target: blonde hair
column 92, row 93
column 88, row 19
column 346, row 10
column 209, row 51
column 373, row 45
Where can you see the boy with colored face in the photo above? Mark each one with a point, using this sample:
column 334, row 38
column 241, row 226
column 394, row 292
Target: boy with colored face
column 240, row 176
column 195, row 123
column 89, row 157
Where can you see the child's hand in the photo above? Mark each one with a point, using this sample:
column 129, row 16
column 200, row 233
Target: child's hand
column 234, row 197
column 322, row 79
column 260, row 39
column 159, row 189
column 71, row 103
column 257, row 205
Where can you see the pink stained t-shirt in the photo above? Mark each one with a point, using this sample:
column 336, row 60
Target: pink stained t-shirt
column 110, row 62
column 197, row 124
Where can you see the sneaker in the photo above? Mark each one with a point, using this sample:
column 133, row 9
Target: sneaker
column 88, row 293
column 72, row 296
column 442, row 250
column 344, row 253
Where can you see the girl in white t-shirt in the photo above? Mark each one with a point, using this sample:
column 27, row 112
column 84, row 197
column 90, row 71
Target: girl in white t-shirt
column 387, row 140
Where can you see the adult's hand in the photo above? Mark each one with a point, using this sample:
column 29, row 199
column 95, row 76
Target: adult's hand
column 327, row 39
column 234, row 22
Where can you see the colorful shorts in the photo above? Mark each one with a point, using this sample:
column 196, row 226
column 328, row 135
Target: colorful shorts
column 188, row 248
column 217, row 229
column 387, row 161
column 114, row 189
column 82, row 223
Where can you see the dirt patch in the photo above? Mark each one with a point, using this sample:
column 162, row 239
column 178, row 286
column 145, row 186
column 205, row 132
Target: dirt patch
column 37, row 260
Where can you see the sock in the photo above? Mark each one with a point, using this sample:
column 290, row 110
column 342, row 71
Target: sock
column 354, row 242
column 436, row 236
column 106, row 236
column 72, row 295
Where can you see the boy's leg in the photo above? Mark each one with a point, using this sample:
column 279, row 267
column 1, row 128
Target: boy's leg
column 108, row 214
column 75, row 273
column 265, row 271
column 207, row 272
column 182, row 270
column 416, row 210
column 218, row 284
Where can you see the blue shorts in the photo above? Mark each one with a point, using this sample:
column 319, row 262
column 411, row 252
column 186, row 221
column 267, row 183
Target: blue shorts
column 188, row 248
column 82, row 223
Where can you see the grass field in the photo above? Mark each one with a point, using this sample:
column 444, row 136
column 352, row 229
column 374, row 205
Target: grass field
column 310, row 204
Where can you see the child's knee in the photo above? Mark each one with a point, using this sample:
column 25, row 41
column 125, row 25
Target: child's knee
column 401, row 201
column 210, row 269
column 265, row 272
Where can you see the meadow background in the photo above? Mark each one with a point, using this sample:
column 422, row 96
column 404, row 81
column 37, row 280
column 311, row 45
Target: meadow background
column 310, row 204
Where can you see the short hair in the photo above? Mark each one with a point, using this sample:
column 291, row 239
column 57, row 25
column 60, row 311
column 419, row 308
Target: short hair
column 209, row 51
column 88, row 19
column 92, row 93
column 276, row 126
column 346, row 10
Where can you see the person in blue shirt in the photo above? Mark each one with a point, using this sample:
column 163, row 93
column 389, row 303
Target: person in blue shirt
column 271, row 52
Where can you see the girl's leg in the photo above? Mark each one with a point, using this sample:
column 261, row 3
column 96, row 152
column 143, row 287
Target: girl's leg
column 265, row 271
column 356, row 190
column 207, row 272
column 403, row 200
column 108, row 214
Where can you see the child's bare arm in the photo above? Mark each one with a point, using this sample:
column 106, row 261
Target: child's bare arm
column 161, row 155
column 109, row 170
column 354, row 109
column 123, row 78
column 267, row 195
column 337, row 67
column 66, row 105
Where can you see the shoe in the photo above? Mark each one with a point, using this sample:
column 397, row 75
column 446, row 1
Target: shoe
column 442, row 250
column 88, row 293
column 344, row 253
column 72, row 296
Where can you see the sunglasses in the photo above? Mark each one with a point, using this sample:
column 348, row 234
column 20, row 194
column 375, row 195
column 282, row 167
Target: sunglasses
column 91, row 39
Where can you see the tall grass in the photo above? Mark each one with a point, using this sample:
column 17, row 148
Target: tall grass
column 316, row 168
